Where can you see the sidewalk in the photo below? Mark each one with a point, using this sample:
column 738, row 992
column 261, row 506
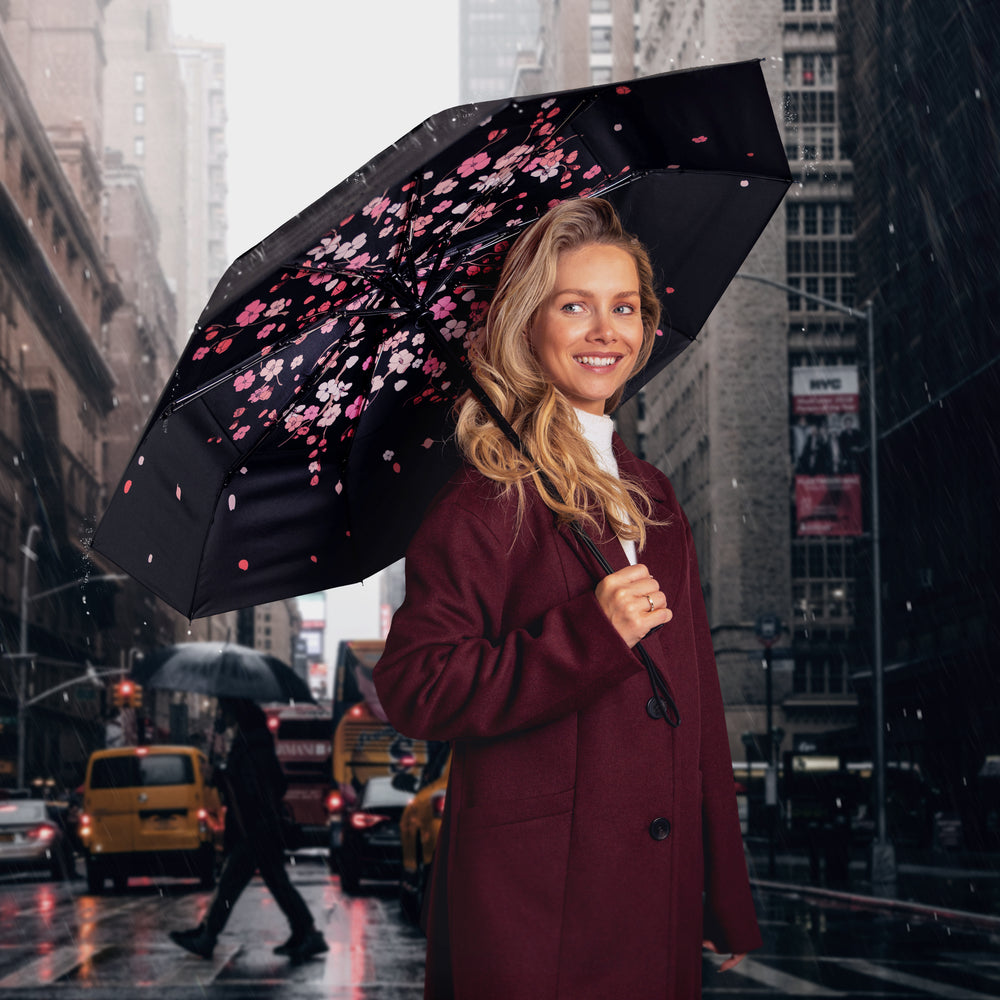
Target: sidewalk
column 959, row 886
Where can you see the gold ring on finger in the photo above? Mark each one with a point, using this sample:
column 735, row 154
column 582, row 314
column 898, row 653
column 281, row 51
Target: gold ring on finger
column 652, row 606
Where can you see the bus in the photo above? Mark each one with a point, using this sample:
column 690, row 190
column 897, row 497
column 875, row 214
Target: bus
column 365, row 745
column 303, row 740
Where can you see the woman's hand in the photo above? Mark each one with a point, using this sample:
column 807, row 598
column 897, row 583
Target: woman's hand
column 633, row 602
column 729, row 963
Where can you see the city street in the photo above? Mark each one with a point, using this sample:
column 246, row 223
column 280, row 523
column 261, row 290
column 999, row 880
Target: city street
column 58, row 942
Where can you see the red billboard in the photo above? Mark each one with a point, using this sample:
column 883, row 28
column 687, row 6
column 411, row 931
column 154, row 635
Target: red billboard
column 826, row 440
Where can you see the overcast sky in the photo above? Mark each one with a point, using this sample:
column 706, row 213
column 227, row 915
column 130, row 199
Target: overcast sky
column 315, row 88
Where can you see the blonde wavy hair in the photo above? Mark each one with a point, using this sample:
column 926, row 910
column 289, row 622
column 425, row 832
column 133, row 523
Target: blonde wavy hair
column 505, row 366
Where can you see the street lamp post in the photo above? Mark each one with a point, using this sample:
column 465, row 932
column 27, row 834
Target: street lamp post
column 883, row 859
column 23, row 656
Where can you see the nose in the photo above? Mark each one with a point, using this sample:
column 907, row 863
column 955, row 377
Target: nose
column 602, row 329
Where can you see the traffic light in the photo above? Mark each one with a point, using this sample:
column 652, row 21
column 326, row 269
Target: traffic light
column 126, row 694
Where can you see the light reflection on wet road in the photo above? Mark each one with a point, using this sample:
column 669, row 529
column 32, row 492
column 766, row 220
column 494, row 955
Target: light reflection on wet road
column 58, row 942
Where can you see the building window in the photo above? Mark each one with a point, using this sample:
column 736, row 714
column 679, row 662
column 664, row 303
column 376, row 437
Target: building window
column 139, row 83
column 600, row 74
column 600, row 39
column 808, row 70
column 139, row 146
column 792, row 218
column 139, row 114
column 600, row 6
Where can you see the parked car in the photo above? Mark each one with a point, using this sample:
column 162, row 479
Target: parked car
column 150, row 810
column 33, row 836
column 419, row 827
column 369, row 839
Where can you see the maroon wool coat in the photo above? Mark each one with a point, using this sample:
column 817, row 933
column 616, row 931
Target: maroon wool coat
column 548, row 882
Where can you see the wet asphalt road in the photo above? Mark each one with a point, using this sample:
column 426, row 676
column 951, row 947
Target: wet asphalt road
column 58, row 942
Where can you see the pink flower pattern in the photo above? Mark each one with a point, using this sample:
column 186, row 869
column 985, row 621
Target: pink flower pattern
column 302, row 344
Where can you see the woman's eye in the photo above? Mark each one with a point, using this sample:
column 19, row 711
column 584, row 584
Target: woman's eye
column 626, row 308
column 572, row 307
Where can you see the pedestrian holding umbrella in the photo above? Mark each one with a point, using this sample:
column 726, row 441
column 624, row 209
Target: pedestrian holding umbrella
column 254, row 785
column 308, row 423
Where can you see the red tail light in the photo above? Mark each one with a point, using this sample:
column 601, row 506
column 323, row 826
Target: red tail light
column 437, row 804
column 44, row 832
column 407, row 760
column 334, row 802
column 365, row 821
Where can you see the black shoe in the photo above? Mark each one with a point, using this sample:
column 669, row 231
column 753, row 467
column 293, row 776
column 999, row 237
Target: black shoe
column 197, row 940
column 287, row 948
column 308, row 947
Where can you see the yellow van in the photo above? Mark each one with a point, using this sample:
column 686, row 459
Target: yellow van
column 150, row 810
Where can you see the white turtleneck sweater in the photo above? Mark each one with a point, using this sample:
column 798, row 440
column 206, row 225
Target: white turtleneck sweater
column 598, row 430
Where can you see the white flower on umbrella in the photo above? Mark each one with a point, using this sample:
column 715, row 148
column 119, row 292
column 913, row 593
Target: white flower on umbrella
column 272, row 369
column 296, row 361
column 348, row 250
column 444, row 186
column 400, row 361
column 512, row 157
column 388, row 455
column 331, row 389
column 377, row 383
column 327, row 246
column 329, row 415
column 277, row 307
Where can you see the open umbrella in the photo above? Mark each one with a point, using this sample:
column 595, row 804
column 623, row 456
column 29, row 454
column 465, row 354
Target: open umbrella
column 305, row 428
column 222, row 669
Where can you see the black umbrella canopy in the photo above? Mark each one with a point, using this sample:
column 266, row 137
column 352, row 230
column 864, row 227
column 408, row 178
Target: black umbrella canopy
column 221, row 669
column 306, row 426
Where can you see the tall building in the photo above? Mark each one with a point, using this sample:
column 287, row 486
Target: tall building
column 203, row 70
column 165, row 112
column 58, row 290
column 492, row 33
column 925, row 126
column 145, row 119
column 718, row 420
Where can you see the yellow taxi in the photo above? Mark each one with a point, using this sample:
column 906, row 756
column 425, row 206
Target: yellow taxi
column 150, row 810
column 419, row 827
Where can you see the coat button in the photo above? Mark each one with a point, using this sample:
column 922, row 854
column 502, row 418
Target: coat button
column 659, row 829
column 653, row 709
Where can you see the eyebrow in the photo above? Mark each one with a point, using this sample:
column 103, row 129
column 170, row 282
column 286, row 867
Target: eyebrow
column 584, row 293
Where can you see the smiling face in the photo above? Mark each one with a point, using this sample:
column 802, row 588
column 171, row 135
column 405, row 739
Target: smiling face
column 587, row 334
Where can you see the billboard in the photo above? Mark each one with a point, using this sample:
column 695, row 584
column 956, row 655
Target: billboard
column 826, row 440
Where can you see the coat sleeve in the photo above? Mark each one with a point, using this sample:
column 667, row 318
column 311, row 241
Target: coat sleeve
column 449, row 671
column 729, row 920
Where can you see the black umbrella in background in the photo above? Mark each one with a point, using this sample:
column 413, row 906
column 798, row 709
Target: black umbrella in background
column 306, row 426
column 221, row 669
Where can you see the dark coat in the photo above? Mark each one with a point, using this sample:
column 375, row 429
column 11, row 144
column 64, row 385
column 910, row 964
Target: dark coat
column 254, row 784
column 549, row 882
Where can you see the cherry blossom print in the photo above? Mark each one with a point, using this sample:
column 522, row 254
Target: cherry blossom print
column 127, row 486
column 277, row 307
column 201, row 353
column 376, row 207
column 473, row 165
column 241, row 432
column 622, row 89
column 272, row 369
column 400, row 362
column 232, row 501
column 177, row 492
column 243, row 565
column 251, row 313
column 265, row 331
column 700, row 138
column 244, row 381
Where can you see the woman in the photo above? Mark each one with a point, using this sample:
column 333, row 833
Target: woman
column 581, row 829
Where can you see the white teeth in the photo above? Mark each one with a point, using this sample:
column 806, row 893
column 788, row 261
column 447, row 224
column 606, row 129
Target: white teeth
column 597, row 362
